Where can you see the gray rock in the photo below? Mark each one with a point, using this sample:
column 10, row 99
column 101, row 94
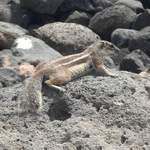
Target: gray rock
column 121, row 37
column 141, row 41
column 116, row 100
column 137, row 61
column 143, row 20
column 146, row 3
column 66, row 37
column 105, row 113
column 79, row 18
column 32, row 50
column 7, row 59
column 146, row 29
column 113, row 1
column 84, row 5
column 6, row 1
column 8, row 33
column 106, row 21
column 135, row 5
column 13, row 13
column 8, row 77
column 41, row 6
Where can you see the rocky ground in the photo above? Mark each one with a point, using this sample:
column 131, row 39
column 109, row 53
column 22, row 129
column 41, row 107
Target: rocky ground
column 95, row 113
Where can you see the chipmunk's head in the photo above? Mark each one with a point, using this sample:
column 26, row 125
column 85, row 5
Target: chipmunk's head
column 105, row 45
column 103, row 48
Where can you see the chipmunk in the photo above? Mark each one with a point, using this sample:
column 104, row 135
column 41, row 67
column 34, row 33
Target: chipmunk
column 65, row 69
column 145, row 73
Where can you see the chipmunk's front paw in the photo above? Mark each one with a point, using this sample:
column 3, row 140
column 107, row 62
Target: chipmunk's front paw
column 114, row 75
column 61, row 91
column 58, row 88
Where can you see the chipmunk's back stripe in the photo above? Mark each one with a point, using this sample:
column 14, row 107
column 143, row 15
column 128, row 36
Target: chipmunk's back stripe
column 77, row 60
column 68, row 58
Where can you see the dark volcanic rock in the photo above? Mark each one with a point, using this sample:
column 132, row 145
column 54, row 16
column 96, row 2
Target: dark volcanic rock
column 66, row 37
column 8, row 77
column 84, row 5
column 113, row 1
column 143, row 20
column 30, row 49
column 105, row 113
column 42, row 6
column 79, row 18
column 141, row 41
column 7, row 59
column 135, row 5
column 115, row 99
column 41, row 19
column 9, row 1
column 106, row 21
column 146, row 29
column 8, row 33
column 146, row 3
column 136, row 61
column 121, row 37
column 13, row 13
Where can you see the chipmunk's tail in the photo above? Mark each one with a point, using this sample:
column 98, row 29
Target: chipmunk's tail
column 33, row 95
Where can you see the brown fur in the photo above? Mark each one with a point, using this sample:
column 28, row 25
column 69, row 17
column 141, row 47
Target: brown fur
column 67, row 68
column 145, row 73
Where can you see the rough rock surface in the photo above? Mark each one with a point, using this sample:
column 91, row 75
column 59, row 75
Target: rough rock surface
column 146, row 29
column 66, row 37
column 79, row 18
column 7, row 59
column 96, row 113
column 42, row 6
column 9, row 1
column 13, row 13
column 121, row 37
column 85, row 5
column 143, row 20
column 146, row 3
column 8, row 33
column 32, row 50
column 141, row 41
column 8, row 77
column 135, row 5
column 136, row 61
column 106, row 21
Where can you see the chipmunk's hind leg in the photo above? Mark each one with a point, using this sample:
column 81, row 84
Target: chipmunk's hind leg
column 59, row 78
